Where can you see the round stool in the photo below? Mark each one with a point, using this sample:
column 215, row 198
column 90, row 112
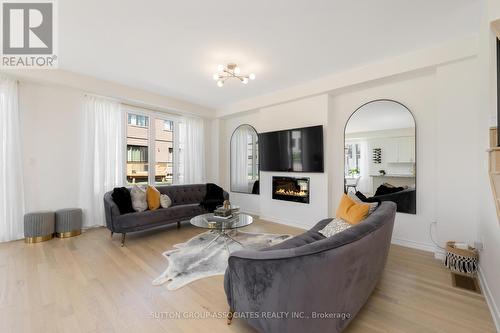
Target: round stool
column 68, row 222
column 39, row 226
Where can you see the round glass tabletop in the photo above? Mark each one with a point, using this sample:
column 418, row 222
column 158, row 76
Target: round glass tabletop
column 209, row 221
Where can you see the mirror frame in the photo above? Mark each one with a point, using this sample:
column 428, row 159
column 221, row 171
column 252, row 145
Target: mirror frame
column 416, row 145
column 231, row 163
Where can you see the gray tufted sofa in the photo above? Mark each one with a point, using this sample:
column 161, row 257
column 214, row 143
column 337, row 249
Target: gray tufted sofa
column 185, row 205
column 324, row 282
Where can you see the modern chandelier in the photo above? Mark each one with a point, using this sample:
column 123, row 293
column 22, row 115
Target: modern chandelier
column 231, row 71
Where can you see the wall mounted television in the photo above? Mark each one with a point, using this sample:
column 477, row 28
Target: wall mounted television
column 294, row 150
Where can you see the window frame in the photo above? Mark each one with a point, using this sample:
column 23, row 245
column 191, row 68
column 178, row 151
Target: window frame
column 152, row 116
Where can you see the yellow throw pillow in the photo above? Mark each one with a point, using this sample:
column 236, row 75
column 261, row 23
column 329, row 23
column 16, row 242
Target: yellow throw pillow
column 351, row 211
column 153, row 198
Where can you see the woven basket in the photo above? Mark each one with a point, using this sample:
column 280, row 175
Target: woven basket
column 463, row 261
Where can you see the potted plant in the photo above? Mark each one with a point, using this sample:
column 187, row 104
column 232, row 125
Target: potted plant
column 353, row 172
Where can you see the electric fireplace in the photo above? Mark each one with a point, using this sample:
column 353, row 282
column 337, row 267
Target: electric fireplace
column 291, row 189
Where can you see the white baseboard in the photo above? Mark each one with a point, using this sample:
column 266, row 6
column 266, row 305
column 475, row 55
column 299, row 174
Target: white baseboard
column 290, row 223
column 439, row 254
column 489, row 299
column 414, row 245
column 251, row 212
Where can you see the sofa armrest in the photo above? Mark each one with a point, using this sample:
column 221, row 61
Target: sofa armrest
column 111, row 211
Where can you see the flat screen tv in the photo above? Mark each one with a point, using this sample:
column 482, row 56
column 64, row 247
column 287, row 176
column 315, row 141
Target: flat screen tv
column 294, row 150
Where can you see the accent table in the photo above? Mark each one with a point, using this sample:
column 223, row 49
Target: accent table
column 222, row 226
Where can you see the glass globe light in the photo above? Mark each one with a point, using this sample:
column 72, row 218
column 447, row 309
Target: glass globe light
column 220, row 83
column 245, row 80
column 237, row 70
column 251, row 76
column 215, row 77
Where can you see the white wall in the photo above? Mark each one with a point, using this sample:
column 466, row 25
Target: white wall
column 443, row 113
column 415, row 91
column 51, row 126
column 283, row 116
column 442, row 99
column 489, row 224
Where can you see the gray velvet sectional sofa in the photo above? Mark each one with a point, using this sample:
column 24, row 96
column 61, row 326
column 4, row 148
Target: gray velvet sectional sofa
column 185, row 205
column 310, row 276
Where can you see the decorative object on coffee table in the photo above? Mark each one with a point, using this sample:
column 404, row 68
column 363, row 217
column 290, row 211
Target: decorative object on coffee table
column 224, row 211
column 39, row 226
column 68, row 222
column 222, row 226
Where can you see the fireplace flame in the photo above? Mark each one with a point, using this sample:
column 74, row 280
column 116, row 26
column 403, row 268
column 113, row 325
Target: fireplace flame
column 292, row 193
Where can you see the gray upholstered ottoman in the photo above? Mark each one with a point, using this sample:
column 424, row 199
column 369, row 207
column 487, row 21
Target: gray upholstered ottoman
column 68, row 222
column 39, row 226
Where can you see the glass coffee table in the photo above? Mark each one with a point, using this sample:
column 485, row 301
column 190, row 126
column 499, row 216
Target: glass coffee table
column 222, row 226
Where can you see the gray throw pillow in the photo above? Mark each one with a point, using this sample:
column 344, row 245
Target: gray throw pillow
column 165, row 201
column 139, row 202
column 334, row 227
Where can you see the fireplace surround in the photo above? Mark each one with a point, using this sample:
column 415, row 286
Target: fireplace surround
column 291, row 189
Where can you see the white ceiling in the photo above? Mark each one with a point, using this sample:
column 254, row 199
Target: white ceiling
column 173, row 47
column 379, row 116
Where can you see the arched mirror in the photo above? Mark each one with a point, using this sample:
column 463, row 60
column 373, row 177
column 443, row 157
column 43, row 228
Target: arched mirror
column 244, row 160
column 380, row 158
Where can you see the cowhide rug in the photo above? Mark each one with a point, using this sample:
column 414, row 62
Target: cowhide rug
column 193, row 260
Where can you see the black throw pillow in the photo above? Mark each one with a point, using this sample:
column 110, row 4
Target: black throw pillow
column 121, row 197
column 363, row 198
column 383, row 189
column 213, row 198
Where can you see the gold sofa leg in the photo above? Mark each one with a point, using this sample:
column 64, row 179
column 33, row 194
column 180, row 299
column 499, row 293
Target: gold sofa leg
column 230, row 316
column 178, row 225
column 123, row 239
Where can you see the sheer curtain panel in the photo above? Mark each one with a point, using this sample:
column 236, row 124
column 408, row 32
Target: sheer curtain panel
column 11, row 170
column 103, row 158
column 191, row 151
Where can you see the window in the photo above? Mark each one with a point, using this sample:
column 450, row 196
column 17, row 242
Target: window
column 137, row 153
column 168, row 125
column 253, row 163
column 137, row 149
column 352, row 159
column 150, row 147
column 138, row 120
column 164, row 143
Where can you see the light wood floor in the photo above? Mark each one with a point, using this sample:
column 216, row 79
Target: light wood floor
column 91, row 284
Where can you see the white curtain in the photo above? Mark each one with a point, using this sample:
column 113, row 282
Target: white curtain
column 239, row 160
column 103, row 156
column 365, row 182
column 191, row 151
column 11, row 169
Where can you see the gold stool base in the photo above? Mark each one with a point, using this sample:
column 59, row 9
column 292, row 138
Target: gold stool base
column 37, row 239
column 68, row 234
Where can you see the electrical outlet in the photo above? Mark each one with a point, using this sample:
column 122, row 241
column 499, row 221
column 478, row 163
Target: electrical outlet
column 479, row 245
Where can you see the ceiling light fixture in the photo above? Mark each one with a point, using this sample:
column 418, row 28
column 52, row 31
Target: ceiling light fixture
column 231, row 71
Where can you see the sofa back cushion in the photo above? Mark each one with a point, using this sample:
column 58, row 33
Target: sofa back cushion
column 184, row 194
